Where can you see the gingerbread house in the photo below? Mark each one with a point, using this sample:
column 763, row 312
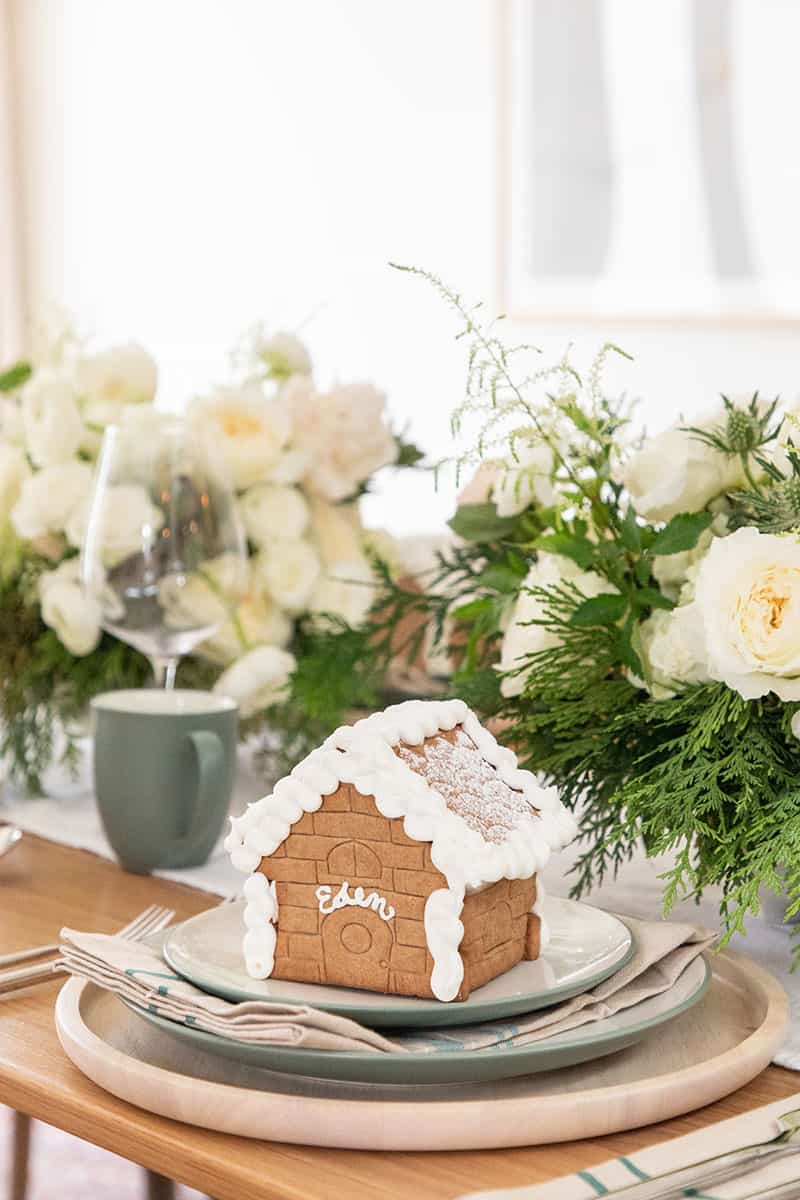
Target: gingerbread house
column 401, row 856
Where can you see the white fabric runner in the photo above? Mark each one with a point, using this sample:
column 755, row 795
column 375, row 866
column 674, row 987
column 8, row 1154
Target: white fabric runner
column 68, row 815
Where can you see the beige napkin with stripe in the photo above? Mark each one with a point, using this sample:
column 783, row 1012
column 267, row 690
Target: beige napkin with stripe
column 137, row 972
column 609, row 1177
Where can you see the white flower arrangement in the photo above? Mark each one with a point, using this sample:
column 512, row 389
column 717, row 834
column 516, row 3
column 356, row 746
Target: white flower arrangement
column 298, row 457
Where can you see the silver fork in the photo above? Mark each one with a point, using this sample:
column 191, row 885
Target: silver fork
column 722, row 1167
column 151, row 920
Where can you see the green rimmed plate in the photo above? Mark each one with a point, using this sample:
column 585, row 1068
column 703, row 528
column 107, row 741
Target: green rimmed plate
column 449, row 1061
column 586, row 946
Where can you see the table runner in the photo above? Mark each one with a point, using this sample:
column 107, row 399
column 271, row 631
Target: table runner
column 68, row 815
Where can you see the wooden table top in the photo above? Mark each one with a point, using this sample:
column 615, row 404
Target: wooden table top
column 44, row 886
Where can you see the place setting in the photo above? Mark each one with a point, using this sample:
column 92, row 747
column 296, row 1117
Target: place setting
column 399, row 658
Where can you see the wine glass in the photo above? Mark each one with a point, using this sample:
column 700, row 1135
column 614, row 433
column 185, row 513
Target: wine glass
column 163, row 553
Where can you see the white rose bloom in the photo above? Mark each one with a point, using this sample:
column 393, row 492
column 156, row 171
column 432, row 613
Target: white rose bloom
column 12, row 426
column 208, row 595
column 256, row 680
column 480, row 487
column 290, row 467
column 250, row 428
column 523, row 479
column 346, row 590
column 673, row 645
column 270, row 511
column 284, row 354
column 49, row 498
column 289, row 570
column 129, row 522
column 256, row 621
column 72, row 612
column 672, row 571
column 14, row 470
column 114, row 378
column 343, row 434
column 336, row 531
column 522, row 639
column 675, row 472
column 50, row 417
column 748, row 593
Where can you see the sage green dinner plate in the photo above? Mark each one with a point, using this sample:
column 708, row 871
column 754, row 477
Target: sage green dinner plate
column 586, row 946
column 450, row 1061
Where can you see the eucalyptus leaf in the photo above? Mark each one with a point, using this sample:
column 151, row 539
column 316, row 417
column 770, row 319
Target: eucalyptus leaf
column 15, row 376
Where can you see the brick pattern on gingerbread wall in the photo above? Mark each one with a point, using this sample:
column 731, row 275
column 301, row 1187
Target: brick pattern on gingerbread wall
column 348, row 839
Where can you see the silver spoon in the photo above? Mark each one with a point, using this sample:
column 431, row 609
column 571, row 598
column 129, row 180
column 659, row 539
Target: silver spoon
column 10, row 836
column 733, row 1165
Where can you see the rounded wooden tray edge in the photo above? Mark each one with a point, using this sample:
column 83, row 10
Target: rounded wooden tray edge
column 460, row 1123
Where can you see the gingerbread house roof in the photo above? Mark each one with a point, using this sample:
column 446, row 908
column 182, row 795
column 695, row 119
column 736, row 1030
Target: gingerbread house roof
column 485, row 818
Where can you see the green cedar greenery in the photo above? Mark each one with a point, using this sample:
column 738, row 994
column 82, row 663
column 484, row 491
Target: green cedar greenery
column 706, row 775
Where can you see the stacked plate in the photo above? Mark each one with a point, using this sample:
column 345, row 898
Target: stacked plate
column 587, row 945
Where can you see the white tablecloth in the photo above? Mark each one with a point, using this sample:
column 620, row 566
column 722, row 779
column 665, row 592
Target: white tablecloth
column 68, row 815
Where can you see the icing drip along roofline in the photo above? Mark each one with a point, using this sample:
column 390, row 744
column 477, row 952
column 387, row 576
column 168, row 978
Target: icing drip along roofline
column 363, row 755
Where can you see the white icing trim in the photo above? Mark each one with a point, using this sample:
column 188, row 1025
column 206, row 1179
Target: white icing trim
column 538, row 911
column 363, row 755
column 260, row 918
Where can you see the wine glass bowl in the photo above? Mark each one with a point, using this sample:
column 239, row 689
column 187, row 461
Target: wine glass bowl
column 163, row 553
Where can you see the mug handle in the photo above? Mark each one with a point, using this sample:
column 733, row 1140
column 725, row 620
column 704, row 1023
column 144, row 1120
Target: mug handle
column 210, row 756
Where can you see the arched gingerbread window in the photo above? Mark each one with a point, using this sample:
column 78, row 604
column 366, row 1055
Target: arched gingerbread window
column 355, row 860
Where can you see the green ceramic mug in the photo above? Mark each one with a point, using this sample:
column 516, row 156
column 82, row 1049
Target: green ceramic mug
column 164, row 764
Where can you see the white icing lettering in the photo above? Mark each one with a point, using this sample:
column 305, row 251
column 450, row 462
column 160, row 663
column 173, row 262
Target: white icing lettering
column 328, row 902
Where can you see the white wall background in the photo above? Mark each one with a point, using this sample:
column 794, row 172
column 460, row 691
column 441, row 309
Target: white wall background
column 192, row 166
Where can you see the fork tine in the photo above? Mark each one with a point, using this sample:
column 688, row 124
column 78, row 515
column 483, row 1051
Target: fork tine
column 141, row 918
column 158, row 919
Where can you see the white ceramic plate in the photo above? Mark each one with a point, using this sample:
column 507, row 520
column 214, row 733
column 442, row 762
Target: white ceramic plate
column 586, row 946
column 452, row 1061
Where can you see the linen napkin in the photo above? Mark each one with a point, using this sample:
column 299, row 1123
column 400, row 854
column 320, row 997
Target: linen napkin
column 664, row 949
column 137, row 972
column 745, row 1130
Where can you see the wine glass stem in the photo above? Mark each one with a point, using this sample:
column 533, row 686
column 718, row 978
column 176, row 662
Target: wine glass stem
column 164, row 672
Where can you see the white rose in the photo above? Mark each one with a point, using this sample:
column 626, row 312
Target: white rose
column 68, row 609
column 748, row 592
column 675, row 472
column 206, row 596
column 284, row 354
column 127, row 523
column 521, row 638
column 673, row 646
column 289, row 570
column 14, row 470
column 49, row 498
column 523, row 478
column 336, row 531
column 250, row 428
column 12, row 426
column 346, row 590
column 271, row 511
column 50, row 417
column 342, row 433
column 115, row 378
column 256, row 621
column 481, row 485
column 673, row 571
column 256, row 680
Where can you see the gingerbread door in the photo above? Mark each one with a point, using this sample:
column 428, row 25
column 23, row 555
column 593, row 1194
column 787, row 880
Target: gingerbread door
column 357, row 946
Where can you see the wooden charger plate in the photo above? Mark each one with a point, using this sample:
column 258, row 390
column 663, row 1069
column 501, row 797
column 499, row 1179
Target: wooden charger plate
column 708, row 1052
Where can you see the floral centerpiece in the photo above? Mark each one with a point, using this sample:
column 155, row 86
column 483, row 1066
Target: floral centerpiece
column 628, row 609
column 298, row 458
